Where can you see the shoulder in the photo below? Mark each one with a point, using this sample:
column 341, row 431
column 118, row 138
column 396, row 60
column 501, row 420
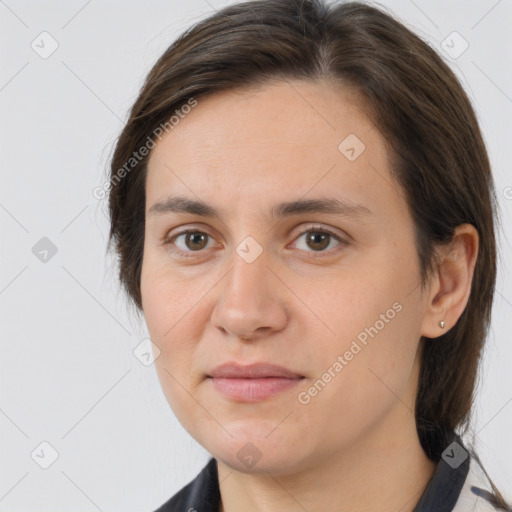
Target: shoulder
column 459, row 483
column 201, row 494
column 476, row 493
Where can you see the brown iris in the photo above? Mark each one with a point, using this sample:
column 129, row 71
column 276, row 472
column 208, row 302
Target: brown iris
column 197, row 240
column 318, row 240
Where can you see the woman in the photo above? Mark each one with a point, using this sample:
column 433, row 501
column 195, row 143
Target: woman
column 303, row 209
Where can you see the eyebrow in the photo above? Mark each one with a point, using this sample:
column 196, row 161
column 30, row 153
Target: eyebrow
column 179, row 204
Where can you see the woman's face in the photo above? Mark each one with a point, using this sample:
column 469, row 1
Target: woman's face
column 331, row 294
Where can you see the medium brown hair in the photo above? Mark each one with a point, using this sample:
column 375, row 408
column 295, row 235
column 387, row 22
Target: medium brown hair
column 435, row 149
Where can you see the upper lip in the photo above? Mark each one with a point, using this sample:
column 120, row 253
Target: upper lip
column 252, row 371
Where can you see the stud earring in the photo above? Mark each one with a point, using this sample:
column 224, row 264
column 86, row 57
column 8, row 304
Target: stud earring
column 441, row 324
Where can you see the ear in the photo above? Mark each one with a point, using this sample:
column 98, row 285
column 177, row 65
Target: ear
column 450, row 286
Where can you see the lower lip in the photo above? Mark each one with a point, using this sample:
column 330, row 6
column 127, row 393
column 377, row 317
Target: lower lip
column 253, row 390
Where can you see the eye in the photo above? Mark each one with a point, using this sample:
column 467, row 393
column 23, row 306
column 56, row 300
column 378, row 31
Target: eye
column 190, row 241
column 319, row 239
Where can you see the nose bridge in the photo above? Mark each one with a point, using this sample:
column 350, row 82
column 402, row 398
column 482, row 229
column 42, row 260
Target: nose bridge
column 249, row 260
column 249, row 298
column 249, row 272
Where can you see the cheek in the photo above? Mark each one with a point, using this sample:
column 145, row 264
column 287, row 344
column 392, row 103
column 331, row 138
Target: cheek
column 168, row 298
column 175, row 313
column 174, row 333
column 364, row 355
column 165, row 312
column 359, row 382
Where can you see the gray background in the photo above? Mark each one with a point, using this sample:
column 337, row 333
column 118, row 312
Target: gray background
column 68, row 375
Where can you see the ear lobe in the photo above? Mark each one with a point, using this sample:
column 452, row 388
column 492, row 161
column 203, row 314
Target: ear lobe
column 450, row 287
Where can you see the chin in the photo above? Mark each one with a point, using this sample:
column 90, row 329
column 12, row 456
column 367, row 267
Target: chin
column 251, row 452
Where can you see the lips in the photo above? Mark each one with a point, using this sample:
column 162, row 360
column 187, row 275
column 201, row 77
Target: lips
column 253, row 371
column 252, row 383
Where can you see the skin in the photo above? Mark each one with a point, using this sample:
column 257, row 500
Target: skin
column 354, row 445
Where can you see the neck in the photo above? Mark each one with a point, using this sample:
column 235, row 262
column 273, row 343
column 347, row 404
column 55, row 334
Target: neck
column 384, row 476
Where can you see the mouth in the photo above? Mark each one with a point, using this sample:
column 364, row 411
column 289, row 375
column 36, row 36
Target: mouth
column 252, row 383
column 252, row 390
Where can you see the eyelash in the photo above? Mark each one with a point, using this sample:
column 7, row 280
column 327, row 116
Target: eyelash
column 310, row 229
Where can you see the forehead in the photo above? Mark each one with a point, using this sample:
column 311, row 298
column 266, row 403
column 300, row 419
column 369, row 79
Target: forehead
column 267, row 143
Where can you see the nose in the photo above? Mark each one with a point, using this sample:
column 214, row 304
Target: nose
column 251, row 301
